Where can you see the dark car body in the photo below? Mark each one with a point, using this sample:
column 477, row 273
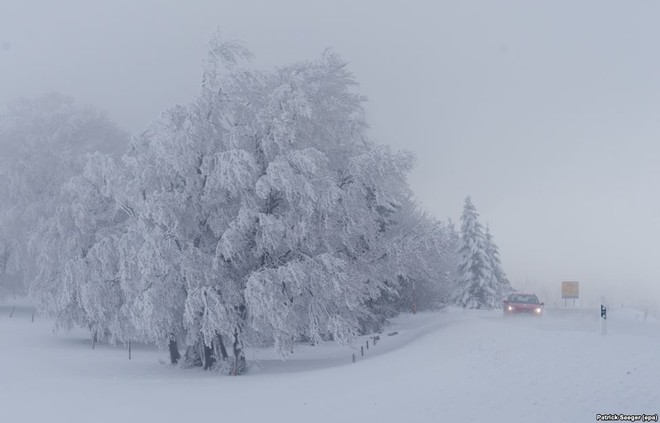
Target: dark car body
column 521, row 303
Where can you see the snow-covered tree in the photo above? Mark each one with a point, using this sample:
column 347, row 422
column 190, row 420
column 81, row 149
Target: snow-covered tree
column 453, row 257
column 502, row 282
column 477, row 286
column 77, row 255
column 43, row 143
column 424, row 276
column 260, row 212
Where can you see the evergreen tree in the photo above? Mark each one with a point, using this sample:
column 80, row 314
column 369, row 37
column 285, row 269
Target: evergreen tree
column 503, row 284
column 453, row 257
column 477, row 286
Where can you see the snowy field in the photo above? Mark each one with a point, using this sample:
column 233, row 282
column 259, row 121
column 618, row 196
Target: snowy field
column 446, row 366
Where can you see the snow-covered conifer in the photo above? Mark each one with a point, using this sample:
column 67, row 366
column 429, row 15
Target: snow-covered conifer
column 502, row 282
column 477, row 286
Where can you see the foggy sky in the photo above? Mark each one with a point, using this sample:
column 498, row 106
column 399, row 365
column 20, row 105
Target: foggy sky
column 546, row 114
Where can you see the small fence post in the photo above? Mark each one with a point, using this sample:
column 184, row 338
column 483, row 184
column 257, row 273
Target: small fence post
column 362, row 351
column 367, row 344
column 33, row 311
column 129, row 349
column 353, row 357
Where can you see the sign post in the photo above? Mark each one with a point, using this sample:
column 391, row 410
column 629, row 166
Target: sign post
column 570, row 290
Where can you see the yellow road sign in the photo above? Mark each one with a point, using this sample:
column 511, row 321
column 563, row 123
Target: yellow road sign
column 570, row 289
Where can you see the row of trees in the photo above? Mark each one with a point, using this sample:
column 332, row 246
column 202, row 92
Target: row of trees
column 258, row 214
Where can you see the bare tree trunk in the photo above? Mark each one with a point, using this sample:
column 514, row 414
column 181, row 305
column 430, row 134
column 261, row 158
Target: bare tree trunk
column 175, row 356
column 208, row 357
column 219, row 344
column 239, row 357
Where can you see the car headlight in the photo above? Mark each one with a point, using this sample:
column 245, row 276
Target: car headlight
column 538, row 309
column 510, row 308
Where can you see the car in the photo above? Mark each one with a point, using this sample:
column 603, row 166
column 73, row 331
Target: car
column 521, row 303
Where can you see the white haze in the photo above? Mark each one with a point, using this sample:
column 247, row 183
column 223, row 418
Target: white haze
column 546, row 114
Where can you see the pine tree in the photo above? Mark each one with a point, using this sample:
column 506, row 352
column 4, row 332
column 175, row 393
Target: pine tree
column 453, row 257
column 477, row 286
column 503, row 285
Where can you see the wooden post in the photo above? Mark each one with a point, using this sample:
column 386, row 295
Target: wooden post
column 129, row 349
column 12, row 312
column 367, row 344
column 33, row 311
column 353, row 357
column 362, row 351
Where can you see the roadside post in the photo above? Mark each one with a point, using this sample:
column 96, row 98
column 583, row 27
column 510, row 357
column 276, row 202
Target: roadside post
column 603, row 316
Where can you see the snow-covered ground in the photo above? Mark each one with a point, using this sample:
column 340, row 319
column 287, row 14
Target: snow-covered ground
column 452, row 365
